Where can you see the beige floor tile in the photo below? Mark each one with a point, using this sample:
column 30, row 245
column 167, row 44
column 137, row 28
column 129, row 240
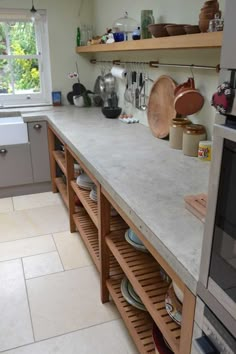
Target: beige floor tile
column 6, row 205
column 108, row 338
column 72, row 250
column 42, row 264
column 26, row 247
column 68, row 301
column 37, row 200
column 34, row 222
column 15, row 323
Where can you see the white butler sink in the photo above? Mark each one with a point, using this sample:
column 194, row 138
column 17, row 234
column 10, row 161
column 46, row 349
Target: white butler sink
column 13, row 131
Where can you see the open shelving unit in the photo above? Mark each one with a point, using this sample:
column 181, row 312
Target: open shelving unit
column 114, row 258
column 190, row 41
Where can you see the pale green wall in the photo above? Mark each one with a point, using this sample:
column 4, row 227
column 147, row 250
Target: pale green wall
column 177, row 11
column 63, row 20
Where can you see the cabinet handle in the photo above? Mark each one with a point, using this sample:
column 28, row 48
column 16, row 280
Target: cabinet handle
column 3, row 151
column 37, row 126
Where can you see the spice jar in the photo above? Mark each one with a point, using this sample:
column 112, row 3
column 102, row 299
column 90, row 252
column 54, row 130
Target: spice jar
column 176, row 132
column 204, row 150
column 193, row 134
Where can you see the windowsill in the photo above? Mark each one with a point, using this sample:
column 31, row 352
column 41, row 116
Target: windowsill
column 24, row 108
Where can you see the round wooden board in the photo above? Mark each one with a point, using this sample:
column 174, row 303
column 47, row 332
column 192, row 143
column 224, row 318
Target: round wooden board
column 161, row 108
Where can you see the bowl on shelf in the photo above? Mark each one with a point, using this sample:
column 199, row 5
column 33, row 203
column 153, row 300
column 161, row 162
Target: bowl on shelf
column 204, row 25
column 111, row 112
column 190, row 29
column 161, row 345
column 134, row 241
column 84, row 182
column 158, row 30
column 175, row 30
column 173, row 305
column 178, row 292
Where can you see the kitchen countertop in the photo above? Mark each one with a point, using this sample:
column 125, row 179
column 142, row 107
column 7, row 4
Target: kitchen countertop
column 147, row 179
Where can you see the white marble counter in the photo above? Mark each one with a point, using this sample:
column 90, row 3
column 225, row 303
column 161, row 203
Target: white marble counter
column 147, row 179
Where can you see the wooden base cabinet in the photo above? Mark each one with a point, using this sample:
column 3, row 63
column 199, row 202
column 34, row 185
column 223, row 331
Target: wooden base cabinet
column 103, row 235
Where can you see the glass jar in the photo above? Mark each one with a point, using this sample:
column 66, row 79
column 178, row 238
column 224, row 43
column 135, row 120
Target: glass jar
column 126, row 25
column 146, row 20
column 193, row 134
column 177, row 131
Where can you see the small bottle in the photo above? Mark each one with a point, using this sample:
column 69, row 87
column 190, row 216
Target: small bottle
column 78, row 37
column 136, row 34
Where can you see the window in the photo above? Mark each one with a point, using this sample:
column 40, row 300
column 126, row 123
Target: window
column 24, row 59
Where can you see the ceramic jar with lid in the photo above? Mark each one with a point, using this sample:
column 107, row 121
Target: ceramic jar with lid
column 193, row 134
column 176, row 132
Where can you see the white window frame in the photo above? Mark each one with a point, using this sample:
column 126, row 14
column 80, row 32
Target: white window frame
column 41, row 29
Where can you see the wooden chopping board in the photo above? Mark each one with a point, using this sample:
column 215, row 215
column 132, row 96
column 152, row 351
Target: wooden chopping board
column 161, row 109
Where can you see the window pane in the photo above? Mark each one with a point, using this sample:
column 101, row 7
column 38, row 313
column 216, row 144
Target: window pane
column 5, row 77
column 3, row 41
column 22, row 38
column 26, row 75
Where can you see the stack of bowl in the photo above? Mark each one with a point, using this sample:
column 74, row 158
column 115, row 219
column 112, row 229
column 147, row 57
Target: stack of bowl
column 208, row 12
column 84, row 182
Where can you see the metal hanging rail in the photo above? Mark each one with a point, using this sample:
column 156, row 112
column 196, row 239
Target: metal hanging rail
column 156, row 64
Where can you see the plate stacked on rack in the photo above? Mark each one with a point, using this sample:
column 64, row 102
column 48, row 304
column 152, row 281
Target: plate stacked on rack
column 93, row 194
column 173, row 305
column 134, row 241
column 84, row 182
column 130, row 295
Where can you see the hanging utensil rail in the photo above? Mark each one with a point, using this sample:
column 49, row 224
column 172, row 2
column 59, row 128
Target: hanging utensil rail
column 156, row 64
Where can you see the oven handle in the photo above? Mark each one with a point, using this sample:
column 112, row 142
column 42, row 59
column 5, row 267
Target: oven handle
column 204, row 346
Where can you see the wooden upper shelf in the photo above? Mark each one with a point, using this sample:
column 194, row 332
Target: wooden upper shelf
column 188, row 41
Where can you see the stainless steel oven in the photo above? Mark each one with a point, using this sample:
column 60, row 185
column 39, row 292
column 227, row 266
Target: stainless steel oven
column 209, row 335
column 217, row 281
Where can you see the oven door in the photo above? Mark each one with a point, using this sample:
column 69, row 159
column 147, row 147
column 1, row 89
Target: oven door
column 218, row 264
column 209, row 335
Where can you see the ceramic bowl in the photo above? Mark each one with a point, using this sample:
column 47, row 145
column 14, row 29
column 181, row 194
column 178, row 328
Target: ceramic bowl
column 158, row 30
column 133, row 237
column 137, row 246
column 111, row 112
column 190, row 29
column 178, row 292
column 173, row 305
column 175, row 30
column 204, row 25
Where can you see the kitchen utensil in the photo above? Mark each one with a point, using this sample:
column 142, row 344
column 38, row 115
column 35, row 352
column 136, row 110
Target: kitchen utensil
column 175, row 30
column 128, row 90
column 173, row 305
column 110, row 83
column 111, row 112
column 161, row 108
column 143, row 106
column 188, row 100
column 138, row 90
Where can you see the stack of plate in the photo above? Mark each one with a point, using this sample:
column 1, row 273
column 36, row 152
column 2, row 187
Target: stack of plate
column 134, row 241
column 173, row 305
column 130, row 295
column 84, row 182
column 93, row 194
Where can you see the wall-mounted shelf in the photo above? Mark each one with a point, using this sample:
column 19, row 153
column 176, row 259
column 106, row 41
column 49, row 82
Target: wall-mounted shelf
column 189, row 41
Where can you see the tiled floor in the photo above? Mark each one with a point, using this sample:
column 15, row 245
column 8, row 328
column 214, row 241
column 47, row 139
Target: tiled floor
column 49, row 288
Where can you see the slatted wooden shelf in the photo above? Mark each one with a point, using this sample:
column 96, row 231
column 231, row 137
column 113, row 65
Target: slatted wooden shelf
column 117, row 223
column 59, row 156
column 89, row 234
column 138, row 322
column 143, row 272
column 61, row 186
column 191, row 41
column 90, row 206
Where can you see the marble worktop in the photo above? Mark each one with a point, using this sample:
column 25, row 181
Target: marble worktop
column 147, row 179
